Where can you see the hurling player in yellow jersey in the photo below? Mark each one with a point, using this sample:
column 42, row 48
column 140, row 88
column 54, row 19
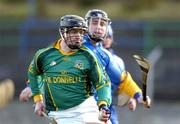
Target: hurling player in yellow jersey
column 71, row 75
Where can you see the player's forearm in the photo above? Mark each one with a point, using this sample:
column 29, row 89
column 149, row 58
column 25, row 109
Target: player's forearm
column 33, row 83
column 104, row 95
column 129, row 86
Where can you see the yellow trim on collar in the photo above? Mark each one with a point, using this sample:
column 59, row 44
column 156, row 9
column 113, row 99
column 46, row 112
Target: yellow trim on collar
column 57, row 46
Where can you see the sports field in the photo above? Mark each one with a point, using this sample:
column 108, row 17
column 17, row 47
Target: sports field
column 160, row 113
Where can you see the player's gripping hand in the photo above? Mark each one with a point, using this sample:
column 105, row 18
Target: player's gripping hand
column 132, row 104
column 124, row 100
column 39, row 108
column 146, row 103
column 104, row 113
column 25, row 94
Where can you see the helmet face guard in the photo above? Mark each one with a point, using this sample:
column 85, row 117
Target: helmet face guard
column 98, row 22
column 73, row 37
column 97, row 28
column 72, row 29
column 107, row 42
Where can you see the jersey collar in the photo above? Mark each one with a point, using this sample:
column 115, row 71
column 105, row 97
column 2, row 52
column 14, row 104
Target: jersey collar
column 58, row 47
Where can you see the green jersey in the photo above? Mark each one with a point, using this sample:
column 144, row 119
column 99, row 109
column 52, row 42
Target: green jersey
column 69, row 78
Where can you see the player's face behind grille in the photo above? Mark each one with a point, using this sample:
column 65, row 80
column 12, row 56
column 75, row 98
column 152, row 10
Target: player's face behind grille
column 74, row 37
column 97, row 27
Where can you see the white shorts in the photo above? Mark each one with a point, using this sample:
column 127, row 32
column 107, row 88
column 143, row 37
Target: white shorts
column 85, row 113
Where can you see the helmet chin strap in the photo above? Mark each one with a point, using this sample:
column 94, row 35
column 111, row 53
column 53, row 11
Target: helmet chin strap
column 95, row 39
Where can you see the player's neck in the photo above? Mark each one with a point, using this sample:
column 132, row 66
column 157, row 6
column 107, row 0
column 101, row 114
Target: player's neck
column 64, row 47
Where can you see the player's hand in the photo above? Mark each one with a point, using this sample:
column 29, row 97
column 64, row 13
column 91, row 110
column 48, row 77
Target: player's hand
column 104, row 113
column 132, row 104
column 146, row 103
column 39, row 108
column 25, row 94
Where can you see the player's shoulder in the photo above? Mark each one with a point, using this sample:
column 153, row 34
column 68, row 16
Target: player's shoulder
column 119, row 61
column 118, row 58
column 85, row 38
column 105, row 52
column 86, row 51
column 44, row 51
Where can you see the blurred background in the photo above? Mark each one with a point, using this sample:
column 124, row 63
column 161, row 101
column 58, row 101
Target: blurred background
column 150, row 28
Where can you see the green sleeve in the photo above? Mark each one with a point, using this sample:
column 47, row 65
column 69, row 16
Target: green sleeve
column 101, row 82
column 34, row 75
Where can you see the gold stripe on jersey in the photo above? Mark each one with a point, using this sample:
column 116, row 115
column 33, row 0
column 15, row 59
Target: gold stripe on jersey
column 52, row 98
column 97, row 88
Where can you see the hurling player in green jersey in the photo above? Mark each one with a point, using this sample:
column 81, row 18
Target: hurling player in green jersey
column 71, row 75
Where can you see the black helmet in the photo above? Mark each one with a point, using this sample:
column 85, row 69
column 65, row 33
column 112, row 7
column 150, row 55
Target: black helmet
column 97, row 13
column 72, row 21
column 68, row 23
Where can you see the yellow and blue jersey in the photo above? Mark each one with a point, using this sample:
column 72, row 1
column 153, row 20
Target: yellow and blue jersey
column 107, row 60
column 118, row 75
